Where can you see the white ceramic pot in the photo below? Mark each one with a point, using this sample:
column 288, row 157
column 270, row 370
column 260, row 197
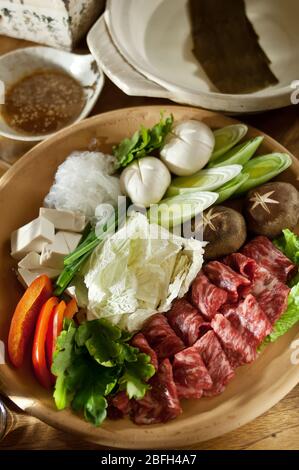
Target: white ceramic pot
column 155, row 39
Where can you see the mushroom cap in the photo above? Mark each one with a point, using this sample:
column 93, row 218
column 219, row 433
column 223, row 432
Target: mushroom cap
column 225, row 230
column 272, row 207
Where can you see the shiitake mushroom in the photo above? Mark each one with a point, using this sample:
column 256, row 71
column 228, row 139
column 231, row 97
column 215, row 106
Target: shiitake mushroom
column 225, row 230
column 272, row 207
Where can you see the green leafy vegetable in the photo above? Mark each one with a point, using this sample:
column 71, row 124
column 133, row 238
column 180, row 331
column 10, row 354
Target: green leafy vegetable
column 104, row 343
column 143, row 142
column 91, row 362
column 288, row 243
column 135, row 376
column 288, row 319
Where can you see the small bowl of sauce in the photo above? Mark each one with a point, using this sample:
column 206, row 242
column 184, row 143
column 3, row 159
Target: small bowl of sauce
column 46, row 90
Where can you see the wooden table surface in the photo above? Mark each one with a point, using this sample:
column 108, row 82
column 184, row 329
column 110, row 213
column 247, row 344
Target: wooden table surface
column 276, row 429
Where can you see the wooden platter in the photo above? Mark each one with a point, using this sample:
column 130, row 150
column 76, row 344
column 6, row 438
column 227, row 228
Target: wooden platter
column 255, row 389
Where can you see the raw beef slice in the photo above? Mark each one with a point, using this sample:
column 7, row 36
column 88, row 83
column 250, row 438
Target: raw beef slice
column 161, row 402
column 249, row 319
column 139, row 341
column 190, row 374
column 119, row 405
column 206, row 296
column 262, row 250
column 216, row 363
column 237, row 349
column 271, row 294
column 186, row 321
column 161, row 337
column 223, row 276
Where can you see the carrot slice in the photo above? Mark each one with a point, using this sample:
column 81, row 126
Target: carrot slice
column 71, row 309
column 24, row 318
column 39, row 344
column 54, row 330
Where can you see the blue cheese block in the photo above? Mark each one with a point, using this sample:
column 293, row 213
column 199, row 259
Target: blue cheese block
column 59, row 23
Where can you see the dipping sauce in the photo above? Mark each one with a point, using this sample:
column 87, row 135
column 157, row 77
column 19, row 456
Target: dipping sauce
column 43, row 102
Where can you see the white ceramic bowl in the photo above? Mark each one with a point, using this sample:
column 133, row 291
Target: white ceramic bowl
column 155, row 38
column 21, row 62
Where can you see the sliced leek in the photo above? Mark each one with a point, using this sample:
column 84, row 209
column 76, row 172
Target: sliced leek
column 262, row 169
column 204, row 180
column 240, row 154
column 177, row 210
column 227, row 190
column 226, row 138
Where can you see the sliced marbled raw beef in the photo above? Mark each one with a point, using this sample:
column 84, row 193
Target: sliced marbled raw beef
column 271, row 294
column 262, row 250
column 206, row 296
column 161, row 337
column 161, row 402
column 223, row 276
column 242, row 264
column 119, row 405
column 139, row 341
column 186, row 321
column 236, row 347
column 216, row 363
column 249, row 319
column 234, row 306
column 190, row 374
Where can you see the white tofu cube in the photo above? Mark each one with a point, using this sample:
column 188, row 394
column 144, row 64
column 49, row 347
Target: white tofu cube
column 32, row 237
column 54, row 253
column 31, row 261
column 50, row 272
column 72, row 240
column 64, row 220
column 26, row 277
column 71, row 291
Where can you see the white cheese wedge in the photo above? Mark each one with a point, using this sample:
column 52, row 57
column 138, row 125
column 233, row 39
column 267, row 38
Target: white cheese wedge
column 54, row 253
column 32, row 237
column 26, row 277
column 31, row 261
column 64, row 220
